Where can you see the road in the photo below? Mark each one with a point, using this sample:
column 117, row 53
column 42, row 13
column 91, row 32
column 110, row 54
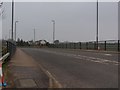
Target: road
column 78, row 68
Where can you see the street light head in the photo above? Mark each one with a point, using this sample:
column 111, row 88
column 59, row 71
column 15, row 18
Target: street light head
column 16, row 21
column 53, row 21
column 1, row 4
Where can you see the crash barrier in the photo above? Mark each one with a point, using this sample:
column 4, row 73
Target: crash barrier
column 11, row 48
column 8, row 46
column 2, row 59
column 109, row 45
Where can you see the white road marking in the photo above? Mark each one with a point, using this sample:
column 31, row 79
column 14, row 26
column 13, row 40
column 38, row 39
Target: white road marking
column 53, row 83
column 82, row 57
column 108, row 54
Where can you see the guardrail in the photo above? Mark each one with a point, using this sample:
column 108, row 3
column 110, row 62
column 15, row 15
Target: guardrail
column 109, row 45
column 9, row 48
column 3, row 58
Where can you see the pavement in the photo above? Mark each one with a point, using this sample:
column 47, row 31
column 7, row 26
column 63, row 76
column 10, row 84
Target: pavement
column 78, row 68
column 25, row 72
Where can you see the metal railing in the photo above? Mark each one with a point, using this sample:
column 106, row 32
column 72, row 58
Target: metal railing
column 8, row 47
column 108, row 45
column 11, row 48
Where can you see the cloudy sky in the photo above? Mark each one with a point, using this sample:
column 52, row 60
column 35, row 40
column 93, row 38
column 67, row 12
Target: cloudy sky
column 75, row 21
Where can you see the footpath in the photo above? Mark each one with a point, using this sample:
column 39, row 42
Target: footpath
column 25, row 72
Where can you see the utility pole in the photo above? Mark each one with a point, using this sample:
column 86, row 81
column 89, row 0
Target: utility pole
column 118, row 20
column 12, row 19
column 53, row 30
column 97, row 27
column 15, row 29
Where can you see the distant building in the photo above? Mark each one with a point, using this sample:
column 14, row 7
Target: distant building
column 56, row 42
column 41, row 42
column 30, row 42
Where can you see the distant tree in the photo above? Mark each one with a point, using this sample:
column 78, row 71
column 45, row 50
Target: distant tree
column 18, row 42
column 47, row 43
column 21, row 42
column 56, row 41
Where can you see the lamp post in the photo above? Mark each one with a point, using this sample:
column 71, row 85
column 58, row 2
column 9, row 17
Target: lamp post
column 97, row 28
column 15, row 29
column 9, row 33
column 34, row 35
column 53, row 30
column 12, row 19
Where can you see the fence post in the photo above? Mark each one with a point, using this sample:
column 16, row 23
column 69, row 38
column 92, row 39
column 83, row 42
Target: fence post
column 66, row 45
column 94, row 45
column 56, row 45
column 70, row 45
column 86, row 45
column 59, row 45
column 118, row 45
column 105, row 45
column 7, row 46
column 74, row 46
column 80, row 45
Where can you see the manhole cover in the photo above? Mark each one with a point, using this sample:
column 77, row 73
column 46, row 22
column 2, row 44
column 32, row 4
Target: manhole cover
column 27, row 83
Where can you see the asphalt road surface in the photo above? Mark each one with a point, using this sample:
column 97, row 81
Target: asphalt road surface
column 79, row 68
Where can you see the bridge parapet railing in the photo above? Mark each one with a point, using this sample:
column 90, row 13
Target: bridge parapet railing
column 109, row 45
column 8, row 47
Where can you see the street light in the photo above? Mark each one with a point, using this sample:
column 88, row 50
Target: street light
column 53, row 30
column 15, row 28
column 34, row 35
column 97, row 28
column 12, row 18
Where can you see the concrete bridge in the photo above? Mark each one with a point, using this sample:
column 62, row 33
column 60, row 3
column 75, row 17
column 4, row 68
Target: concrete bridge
column 61, row 68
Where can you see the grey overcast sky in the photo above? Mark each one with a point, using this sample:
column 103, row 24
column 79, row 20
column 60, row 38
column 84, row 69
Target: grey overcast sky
column 75, row 21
